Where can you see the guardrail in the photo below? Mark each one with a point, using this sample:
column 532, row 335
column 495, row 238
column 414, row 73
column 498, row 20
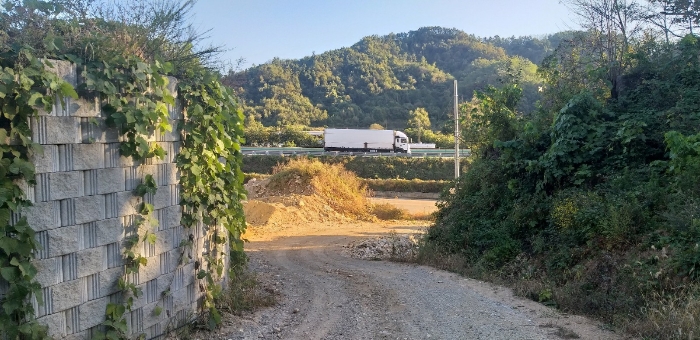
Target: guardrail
column 446, row 153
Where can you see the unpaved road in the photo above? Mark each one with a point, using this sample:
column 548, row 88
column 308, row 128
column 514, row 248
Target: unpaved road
column 326, row 294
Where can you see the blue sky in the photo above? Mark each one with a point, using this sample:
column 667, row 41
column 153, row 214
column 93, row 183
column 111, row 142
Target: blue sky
column 259, row 30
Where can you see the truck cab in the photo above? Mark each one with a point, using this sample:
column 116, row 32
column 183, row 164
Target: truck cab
column 401, row 142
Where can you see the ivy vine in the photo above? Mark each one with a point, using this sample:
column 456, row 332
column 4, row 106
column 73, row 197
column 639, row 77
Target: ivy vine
column 136, row 100
column 211, row 178
column 25, row 86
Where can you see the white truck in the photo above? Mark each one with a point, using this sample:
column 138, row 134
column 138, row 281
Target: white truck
column 358, row 140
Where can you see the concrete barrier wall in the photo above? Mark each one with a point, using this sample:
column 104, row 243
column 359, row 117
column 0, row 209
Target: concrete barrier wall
column 84, row 207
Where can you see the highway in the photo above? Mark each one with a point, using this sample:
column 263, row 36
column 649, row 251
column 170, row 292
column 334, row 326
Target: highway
column 282, row 151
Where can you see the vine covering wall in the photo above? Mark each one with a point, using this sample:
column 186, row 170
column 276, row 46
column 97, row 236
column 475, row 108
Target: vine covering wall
column 132, row 205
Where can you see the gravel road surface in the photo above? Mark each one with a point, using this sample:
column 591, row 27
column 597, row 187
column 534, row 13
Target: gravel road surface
column 326, row 294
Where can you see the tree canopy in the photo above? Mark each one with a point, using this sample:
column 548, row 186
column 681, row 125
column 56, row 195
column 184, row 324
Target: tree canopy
column 380, row 79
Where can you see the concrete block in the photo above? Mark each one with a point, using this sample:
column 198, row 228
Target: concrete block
column 172, row 86
column 149, row 315
column 43, row 215
column 91, row 286
column 88, row 156
column 151, row 271
column 91, row 261
column 63, row 69
column 109, row 231
column 47, row 307
column 110, row 180
column 161, row 198
column 132, row 178
column 89, row 208
column 121, row 204
column 84, row 335
column 70, row 266
column 49, row 271
column 55, row 130
column 136, row 324
column 88, row 106
column 95, row 130
column 72, row 320
column 67, row 212
column 172, row 173
column 92, row 313
column 45, row 160
column 113, row 157
column 165, row 282
column 113, row 254
column 164, row 241
column 163, row 175
column 90, row 182
column 190, row 274
column 56, row 323
column 144, row 170
column 109, row 280
column 173, row 217
column 181, row 299
column 174, row 194
column 65, row 185
column 67, row 295
column 63, row 240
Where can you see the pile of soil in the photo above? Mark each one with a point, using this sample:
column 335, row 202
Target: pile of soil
column 293, row 204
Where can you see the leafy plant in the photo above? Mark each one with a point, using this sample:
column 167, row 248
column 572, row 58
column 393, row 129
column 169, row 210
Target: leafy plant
column 26, row 85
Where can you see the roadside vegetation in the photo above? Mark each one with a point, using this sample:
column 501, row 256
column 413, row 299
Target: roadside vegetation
column 591, row 202
column 406, row 168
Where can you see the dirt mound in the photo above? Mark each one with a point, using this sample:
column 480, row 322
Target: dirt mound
column 289, row 210
column 304, row 191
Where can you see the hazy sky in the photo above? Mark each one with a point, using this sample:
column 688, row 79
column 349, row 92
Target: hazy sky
column 259, row 30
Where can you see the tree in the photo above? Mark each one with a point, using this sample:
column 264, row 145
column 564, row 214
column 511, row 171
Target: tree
column 376, row 126
column 419, row 120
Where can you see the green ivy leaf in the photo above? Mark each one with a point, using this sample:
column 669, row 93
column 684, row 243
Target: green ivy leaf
column 68, row 90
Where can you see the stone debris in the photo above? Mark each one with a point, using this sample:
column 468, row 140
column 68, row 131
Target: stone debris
column 392, row 247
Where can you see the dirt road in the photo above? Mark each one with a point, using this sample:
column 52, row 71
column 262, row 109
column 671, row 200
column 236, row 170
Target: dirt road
column 326, row 294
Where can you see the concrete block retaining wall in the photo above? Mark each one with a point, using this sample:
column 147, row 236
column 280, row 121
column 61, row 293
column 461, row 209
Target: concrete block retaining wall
column 83, row 209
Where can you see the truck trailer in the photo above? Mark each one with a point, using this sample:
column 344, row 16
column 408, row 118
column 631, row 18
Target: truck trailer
column 358, row 140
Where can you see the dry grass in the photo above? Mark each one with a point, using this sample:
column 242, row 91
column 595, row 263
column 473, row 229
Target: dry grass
column 340, row 188
column 245, row 293
column 670, row 316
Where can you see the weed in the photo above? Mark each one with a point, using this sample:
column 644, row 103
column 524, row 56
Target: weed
column 245, row 293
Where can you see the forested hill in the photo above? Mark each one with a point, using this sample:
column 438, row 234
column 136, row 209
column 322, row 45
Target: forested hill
column 381, row 78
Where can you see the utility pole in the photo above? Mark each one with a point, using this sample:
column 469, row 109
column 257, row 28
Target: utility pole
column 456, row 109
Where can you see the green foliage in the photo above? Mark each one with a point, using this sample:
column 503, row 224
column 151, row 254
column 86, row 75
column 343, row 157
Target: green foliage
column 491, row 117
column 26, row 85
column 368, row 167
column 418, row 119
column 591, row 202
column 212, row 180
column 258, row 135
